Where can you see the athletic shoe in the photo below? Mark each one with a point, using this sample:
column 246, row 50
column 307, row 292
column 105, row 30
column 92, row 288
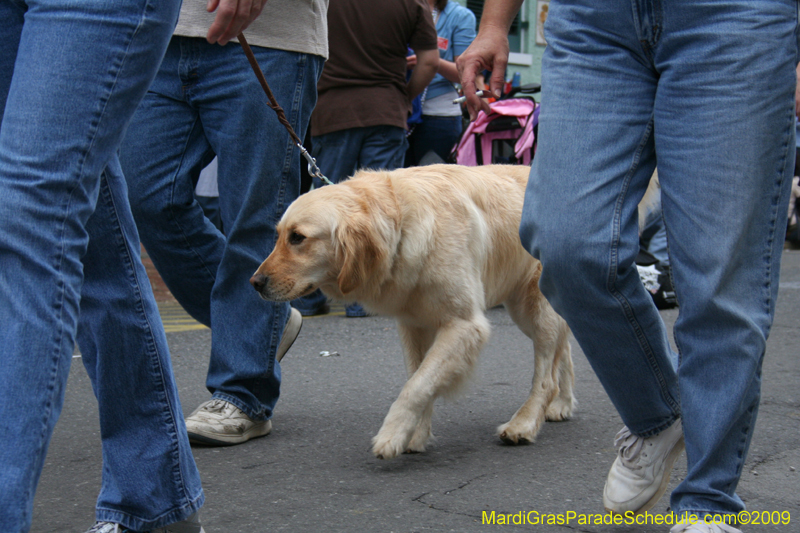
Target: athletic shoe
column 640, row 473
column 290, row 332
column 220, row 423
column 702, row 527
column 190, row 525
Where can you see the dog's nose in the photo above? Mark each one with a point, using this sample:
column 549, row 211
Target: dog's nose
column 258, row 281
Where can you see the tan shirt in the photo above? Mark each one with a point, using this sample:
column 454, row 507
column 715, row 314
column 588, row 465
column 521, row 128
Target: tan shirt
column 292, row 25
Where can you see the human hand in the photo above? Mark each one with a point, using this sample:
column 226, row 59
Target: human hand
column 411, row 61
column 489, row 51
column 233, row 17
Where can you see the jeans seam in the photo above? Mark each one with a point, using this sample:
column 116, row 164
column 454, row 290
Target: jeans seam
column 741, row 449
column 59, row 337
column 151, row 348
column 53, row 377
column 294, row 112
column 613, row 268
column 775, row 204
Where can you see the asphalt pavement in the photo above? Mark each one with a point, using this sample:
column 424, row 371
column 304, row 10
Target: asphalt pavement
column 315, row 472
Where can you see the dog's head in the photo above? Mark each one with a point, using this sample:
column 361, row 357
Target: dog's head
column 340, row 238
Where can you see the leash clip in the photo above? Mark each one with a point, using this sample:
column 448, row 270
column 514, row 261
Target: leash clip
column 313, row 169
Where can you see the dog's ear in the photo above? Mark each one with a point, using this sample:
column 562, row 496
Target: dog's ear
column 358, row 251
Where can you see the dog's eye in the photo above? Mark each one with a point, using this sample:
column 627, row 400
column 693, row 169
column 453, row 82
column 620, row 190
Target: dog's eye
column 296, row 238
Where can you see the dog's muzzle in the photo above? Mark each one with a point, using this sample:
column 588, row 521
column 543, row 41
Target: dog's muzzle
column 259, row 283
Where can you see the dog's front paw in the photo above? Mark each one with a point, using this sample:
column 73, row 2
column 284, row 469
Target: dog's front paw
column 514, row 433
column 397, row 432
column 388, row 446
column 560, row 409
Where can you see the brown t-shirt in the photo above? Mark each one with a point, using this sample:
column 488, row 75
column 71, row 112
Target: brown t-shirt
column 364, row 80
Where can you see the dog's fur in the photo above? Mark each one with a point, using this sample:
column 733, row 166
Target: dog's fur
column 433, row 247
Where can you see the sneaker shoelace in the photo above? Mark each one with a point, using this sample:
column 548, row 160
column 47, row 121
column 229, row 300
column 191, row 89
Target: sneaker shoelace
column 629, row 447
column 216, row 406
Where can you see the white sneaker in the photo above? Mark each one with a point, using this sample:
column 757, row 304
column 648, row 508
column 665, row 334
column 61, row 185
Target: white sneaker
column 640, row 473
column 702, row 527
column 290, row 332
column 221, row 423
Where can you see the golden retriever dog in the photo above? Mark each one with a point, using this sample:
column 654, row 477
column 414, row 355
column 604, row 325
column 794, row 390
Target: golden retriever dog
column 433, row 247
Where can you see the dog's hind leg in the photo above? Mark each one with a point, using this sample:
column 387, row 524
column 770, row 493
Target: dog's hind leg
column 550, row 336
column 449, row 361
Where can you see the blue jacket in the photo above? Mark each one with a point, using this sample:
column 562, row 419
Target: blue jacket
column 456, row 31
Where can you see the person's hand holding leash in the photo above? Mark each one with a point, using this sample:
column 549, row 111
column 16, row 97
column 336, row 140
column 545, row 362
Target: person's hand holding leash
column 233, row 17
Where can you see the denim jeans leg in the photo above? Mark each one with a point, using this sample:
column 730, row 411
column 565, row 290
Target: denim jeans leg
column 210, row 207
column 437, row 134
column 382, row 148
column 724, row 198
column 593, row 163
column 141, row 413
column 256, row 185
column 162, row 156
column 56, row 139
column 210, row 102
column 337, row 154
column 722, row 194
column 341, row 153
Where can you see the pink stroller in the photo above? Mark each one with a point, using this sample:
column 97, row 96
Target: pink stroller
column 506, row 136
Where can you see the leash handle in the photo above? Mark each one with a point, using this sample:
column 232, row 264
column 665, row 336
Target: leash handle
column 313, row 169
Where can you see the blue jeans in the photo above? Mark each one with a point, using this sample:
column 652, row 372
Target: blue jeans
column 206, row 101
column 70, row 257
column 437, row 134
column 339, row 154
column 708, row 90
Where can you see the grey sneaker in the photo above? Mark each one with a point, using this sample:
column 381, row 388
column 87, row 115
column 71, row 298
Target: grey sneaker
column 220, row 423
column 190, row 525
column 290, row 332
column 640, row 473
column 702, row 527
